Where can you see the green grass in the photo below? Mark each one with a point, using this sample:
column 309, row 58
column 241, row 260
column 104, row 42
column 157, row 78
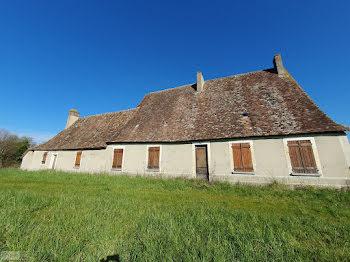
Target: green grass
column 55, row 216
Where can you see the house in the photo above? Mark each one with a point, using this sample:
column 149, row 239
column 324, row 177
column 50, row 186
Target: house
column 255, row 128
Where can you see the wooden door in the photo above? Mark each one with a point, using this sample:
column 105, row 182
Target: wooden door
column 54, row 161
column 202, row 162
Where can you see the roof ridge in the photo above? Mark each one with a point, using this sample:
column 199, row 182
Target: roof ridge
column 213, row 79
column 167, row 89
column 242, row 74
column 130, row 109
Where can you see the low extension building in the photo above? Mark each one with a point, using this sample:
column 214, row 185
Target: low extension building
column 257, row 127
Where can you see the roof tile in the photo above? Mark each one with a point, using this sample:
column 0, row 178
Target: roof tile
column 254, row 104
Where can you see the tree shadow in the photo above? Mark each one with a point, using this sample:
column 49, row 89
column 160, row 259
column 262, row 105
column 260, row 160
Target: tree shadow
column 112, row 258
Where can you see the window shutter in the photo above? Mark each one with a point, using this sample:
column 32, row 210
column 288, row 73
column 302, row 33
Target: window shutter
column 150, row 157
column 308, row 157
column 242, row 157
column 295, row 157
column 156, row 158
column 153, row 157
column 246, row 157
column 117, row 158
column 302, row 156
column 77, row 159
column 237, row 157
column 44, row 158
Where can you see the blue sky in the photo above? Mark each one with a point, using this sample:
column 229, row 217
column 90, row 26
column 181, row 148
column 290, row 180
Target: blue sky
column 104, row 56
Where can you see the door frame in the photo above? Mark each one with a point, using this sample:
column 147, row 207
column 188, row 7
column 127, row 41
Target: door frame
column 194, row 172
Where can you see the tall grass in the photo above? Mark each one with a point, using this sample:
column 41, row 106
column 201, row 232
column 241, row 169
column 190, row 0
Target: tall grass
column 55, row 216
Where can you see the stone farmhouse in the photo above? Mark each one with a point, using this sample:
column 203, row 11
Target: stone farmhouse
column 255, row 128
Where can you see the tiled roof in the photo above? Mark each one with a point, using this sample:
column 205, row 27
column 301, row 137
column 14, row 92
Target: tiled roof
column 254, row 104
column 89, row 132
column 249, row 105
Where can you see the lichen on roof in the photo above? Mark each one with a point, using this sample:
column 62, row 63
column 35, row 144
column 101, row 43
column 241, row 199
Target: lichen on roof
column 274, row 106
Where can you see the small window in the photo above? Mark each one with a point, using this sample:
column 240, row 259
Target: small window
column 153, row 157
column 117, row 158
column 302, row 157
column 242, row 157
column 78, row 159
column 43, row 161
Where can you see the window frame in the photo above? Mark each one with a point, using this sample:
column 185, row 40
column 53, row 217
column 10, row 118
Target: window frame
column 160, row 159
column 315, row 152
column 252, row 153
column 123, row 160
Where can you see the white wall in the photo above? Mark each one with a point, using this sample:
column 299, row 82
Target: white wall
column 332, row 157
column 270, row 159
column 344, row 141
column 27, row 160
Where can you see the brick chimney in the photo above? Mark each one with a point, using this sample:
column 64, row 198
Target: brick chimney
column 277, row 61
column 73, row 116
column 200, row 82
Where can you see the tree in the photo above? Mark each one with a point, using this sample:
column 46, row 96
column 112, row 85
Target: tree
column 23, row 144
column 12, row 148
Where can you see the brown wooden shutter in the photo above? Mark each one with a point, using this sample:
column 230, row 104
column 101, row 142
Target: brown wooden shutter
column 246, row 157
column 237, row 157
column 308, row 156
column 242, row 157
column 302, row 156
column 150, row 157
column 117, row 158
column 44, row 158
column 295, row 157
column 77, row 159
column 156, row 157
column 153, row 157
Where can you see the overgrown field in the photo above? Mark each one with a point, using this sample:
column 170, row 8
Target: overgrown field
column 55, row 216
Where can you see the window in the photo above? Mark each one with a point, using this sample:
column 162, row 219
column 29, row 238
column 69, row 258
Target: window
column 78, row 159
column 117, row 158
column 44, row 158
column 153, row 157
column 242, row 157
column 302, row 157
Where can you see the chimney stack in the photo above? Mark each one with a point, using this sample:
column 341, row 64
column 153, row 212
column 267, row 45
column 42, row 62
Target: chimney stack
column 73, row 116
column 200, row 82
column 277, row 60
